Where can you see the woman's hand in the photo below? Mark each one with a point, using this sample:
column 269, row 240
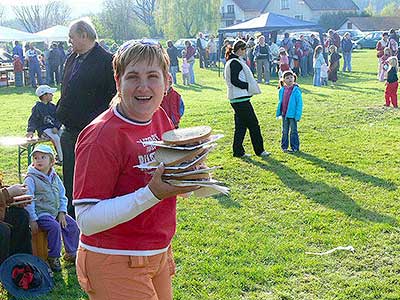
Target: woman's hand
column 17, row 190
column 163, row 190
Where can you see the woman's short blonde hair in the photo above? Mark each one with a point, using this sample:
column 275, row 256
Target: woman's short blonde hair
column 133, row 52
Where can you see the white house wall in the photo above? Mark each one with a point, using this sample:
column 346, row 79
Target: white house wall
column 239, row 13
column 353, row 26
column 296, row 8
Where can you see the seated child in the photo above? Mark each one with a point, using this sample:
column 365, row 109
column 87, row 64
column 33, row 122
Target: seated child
column 43, row 119
column 48, row 211
column 185, row 69
column 15, row 234
column 173, row 104
column 324, row 74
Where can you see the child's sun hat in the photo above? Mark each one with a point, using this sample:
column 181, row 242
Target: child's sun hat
column 26, row 276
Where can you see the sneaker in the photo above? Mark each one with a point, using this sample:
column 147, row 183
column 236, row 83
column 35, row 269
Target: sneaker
column 54, row 263
column 71, row 258
column 246, row 155
column 285, row 150
column 265, row 154
column 293, row 151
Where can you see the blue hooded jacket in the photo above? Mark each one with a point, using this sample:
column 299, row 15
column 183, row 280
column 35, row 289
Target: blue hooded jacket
column 295, row 106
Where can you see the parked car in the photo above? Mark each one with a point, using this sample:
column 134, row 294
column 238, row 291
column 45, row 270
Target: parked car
column 355, row 34
column 180, row 44
column 369, row 41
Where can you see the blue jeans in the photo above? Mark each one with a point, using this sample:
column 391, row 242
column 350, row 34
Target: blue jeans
column 347, row 61
column 173, row 70
column 34, row 69
column 213, row 59
column 303, row 66
column 317, row 77
column 191, row 72
column 290, row 124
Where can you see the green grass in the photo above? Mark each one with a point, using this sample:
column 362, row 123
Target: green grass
column 341, row 190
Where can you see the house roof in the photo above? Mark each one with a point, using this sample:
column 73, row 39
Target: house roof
column 374, row 23
column 331, row 5
column 247, row 5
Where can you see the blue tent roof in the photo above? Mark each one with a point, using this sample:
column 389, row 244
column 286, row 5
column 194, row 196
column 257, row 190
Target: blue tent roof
column 271, row 22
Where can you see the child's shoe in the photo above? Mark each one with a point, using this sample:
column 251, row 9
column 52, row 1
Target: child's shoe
column 54, row 263
column 71, row 258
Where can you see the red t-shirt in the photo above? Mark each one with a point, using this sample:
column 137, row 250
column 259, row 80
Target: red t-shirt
column 106, row 151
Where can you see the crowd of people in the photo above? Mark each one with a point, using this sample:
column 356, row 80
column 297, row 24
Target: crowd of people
column 387, row 52
column 51, row 60
column 120, row 237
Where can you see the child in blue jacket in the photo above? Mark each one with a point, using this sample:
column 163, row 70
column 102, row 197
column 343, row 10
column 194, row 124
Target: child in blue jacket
column 290, row 108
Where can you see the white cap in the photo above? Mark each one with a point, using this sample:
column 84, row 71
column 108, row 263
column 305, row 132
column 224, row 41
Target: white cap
column 44, row 89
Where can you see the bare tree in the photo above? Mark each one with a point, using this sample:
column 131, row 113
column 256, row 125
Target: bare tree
column 2, row 13
column 144, row 10
column 41, row 16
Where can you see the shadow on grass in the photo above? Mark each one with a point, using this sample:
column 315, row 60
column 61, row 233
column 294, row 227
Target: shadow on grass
column 349, row 172
column 226, row 201
column 322, row 193
column 196, row 87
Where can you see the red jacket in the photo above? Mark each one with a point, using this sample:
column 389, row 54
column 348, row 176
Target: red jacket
column 18, row 67
column 171, row 104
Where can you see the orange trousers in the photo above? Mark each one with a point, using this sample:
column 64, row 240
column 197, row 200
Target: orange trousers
column 122, row 277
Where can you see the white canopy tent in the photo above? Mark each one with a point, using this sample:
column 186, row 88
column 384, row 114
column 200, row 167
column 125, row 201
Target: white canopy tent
column 10, row 34
column 56, row 33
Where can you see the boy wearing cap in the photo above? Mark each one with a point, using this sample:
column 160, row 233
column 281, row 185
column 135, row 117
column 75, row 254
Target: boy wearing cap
column 48, row 211
column 43, row 119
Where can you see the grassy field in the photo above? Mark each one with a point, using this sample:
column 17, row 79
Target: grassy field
column 340, row 190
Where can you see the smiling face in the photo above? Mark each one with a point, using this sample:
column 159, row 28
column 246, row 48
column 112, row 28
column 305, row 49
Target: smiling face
column 142, row 87
column 42, row 162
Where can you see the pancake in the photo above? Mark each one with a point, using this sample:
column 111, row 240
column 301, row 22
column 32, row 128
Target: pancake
column 186, row 136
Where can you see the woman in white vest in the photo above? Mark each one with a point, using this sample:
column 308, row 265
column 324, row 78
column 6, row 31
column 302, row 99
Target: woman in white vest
column 241, row 86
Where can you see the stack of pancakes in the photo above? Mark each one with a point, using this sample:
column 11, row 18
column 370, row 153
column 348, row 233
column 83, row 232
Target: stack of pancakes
column 183, row 152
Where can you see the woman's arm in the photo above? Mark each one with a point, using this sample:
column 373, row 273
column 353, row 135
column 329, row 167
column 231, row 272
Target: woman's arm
column 112, row 212
column 236, row 67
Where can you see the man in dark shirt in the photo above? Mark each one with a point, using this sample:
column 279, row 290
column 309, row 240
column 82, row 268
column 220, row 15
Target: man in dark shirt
column 201, row 45
column 87, row 89
column 173, row 59
column 262, row 57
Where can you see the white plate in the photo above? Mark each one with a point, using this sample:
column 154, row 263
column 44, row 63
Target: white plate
column 161, row 144
column 183, row 166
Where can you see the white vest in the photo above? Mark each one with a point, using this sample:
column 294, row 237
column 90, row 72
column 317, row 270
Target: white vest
column 244, row 75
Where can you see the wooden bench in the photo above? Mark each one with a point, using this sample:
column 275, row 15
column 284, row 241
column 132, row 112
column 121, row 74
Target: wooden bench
column 39, row 245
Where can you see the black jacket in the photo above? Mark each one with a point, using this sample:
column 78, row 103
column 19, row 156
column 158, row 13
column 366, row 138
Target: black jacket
column 392, row 75
column 86, row 92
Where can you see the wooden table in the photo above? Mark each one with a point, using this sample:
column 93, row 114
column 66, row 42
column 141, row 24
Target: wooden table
column 24, row 145
column 4, row 74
